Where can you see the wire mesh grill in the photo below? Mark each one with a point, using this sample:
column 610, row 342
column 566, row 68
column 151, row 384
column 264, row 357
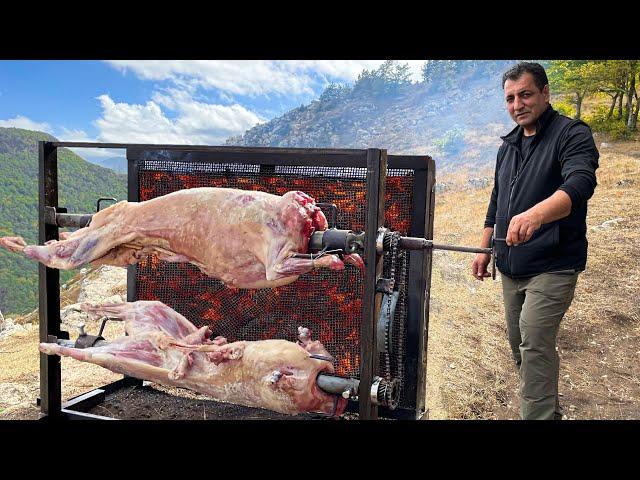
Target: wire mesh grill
column 327, row 302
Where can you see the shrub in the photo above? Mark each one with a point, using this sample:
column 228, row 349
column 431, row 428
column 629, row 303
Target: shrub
column 565, row 108
column 614, row 128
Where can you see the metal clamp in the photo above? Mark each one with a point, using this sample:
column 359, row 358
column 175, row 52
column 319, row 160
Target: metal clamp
column 333, row 208
column 104, row 198
column 85, row 340
column 385, row 285
column 325, row 358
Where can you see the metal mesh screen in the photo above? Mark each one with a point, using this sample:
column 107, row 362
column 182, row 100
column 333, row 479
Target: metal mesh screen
column 327, row 302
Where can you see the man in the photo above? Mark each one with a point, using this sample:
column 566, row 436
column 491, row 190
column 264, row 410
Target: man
column 545, row 173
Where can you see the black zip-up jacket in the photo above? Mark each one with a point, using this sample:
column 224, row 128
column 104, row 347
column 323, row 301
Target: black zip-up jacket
column 562, row 156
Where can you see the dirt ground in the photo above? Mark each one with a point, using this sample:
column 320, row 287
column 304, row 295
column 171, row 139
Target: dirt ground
column 470, row 374
column 156, row 402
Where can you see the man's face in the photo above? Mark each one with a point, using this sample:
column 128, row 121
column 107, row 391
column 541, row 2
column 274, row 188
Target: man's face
column 524, row 101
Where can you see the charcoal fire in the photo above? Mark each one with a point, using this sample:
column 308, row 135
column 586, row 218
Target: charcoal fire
column 330, row 303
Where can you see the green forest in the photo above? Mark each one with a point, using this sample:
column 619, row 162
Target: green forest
column 80, row 185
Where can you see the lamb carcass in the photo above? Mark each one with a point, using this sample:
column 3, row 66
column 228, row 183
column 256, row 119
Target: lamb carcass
column 246, row 239
column 164, row 347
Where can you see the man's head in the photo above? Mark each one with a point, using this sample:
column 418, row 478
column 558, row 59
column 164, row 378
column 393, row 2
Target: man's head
column 526, row 93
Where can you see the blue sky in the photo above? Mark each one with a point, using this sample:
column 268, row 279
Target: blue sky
column 162, row 101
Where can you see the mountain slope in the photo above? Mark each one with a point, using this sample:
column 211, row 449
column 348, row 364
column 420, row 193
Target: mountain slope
column 456, row 116
column 117, row 164
column 80, row 185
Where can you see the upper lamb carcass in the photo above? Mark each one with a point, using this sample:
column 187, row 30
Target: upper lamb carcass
column 246, row 239
column 164, row 347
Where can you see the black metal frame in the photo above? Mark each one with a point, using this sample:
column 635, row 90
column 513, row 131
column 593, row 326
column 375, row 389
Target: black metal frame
column 375, row 160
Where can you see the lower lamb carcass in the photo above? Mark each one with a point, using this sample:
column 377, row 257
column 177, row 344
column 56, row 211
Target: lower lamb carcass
column 164, row 347
column 246, row 239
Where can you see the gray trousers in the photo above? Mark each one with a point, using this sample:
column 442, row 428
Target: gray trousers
column 534, row 308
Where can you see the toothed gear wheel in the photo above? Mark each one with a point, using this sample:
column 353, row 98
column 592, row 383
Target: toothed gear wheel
column 388, row 393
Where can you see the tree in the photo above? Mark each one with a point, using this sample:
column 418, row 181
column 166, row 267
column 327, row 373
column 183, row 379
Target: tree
column 576, row 77
column 334, row 91
column 390, row 78
column 620, row 79
column 631, row 115
column 440, row 73
column 612, row 80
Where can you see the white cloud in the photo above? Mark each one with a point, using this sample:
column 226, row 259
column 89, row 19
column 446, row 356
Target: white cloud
column 195, row 123
column 245, row 77
column 255, row 77
column 67, row 135
column 23, row 122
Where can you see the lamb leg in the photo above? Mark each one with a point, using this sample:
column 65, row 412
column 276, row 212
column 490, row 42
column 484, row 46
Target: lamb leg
column 126, row 355
column 142, row 316
column 78, row 248
column 298, row 266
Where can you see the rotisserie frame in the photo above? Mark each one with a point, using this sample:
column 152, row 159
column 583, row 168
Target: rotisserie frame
column 375, row 190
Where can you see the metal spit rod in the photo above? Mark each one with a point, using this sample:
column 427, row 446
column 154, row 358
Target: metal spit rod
column 416, row 243
column 62, row 219
column 338, row 385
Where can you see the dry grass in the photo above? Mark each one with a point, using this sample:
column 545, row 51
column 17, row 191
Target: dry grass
column 467, row 366
column 600, row 342
column 19, row 375
column 470, row 371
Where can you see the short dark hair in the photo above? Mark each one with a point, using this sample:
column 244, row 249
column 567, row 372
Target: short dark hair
column 535, row 69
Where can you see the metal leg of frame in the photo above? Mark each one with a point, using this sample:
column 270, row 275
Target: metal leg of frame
column 369, row 358
column 419, row 288
column 49, row 282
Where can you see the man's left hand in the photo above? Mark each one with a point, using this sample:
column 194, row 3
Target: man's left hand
column 522, row 226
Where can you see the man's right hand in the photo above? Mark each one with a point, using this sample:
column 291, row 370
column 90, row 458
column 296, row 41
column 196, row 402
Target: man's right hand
column 479, row 266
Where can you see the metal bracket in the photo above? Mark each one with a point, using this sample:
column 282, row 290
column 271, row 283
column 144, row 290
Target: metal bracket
column 85, row 340
column 333, row 208
column 104, row 198
column 50, row 216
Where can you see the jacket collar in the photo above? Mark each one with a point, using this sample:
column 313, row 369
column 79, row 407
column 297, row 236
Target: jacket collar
column 513, row 137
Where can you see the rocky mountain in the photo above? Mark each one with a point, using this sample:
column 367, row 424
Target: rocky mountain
column 455, row 114
column 80, row 185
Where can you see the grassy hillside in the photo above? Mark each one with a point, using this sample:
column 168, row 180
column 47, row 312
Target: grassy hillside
column 81, row 184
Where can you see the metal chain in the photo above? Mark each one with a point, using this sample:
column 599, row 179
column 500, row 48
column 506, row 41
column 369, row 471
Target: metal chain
column 400, row 307
column 393, row 254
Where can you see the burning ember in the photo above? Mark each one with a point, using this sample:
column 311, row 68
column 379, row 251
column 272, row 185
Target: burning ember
column 329, row 304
